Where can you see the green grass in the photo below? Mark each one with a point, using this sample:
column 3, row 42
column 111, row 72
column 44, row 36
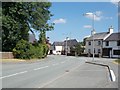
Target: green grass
column 117, row 61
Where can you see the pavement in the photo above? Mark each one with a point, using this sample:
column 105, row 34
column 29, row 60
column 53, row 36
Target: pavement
column 58, row 71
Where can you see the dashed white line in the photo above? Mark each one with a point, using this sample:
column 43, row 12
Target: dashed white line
column 55, row 64
column 63, row 62
column 40, row 68
column 13, row 74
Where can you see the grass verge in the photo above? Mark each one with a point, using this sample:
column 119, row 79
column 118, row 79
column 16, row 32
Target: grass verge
column 19, row 60
column 117, row 61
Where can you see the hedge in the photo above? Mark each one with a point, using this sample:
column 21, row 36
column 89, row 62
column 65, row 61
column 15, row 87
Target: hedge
column 25, row 50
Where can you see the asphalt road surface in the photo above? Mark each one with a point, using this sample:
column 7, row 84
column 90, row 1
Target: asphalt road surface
column 59, row 72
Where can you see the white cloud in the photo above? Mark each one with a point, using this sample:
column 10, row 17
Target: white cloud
column 61, row 20
column 87, row 26
column 108, row 17
column 115, row 2
column 97, row 15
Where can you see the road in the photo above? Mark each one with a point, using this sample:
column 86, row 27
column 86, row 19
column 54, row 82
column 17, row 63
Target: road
column 59, row 72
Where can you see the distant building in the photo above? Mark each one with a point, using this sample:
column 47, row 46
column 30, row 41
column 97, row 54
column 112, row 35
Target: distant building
column 111, row 46
column 98, row 42
column 61, row 47
column 58, row 47
column 32, row 38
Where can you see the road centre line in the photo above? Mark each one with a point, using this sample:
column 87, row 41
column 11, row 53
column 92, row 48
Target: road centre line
column 62, row 75
column 40, row 68
column 13, row 74
column 55, row 64
column 63, row 62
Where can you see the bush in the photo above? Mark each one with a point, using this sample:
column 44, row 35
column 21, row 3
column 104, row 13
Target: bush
column 25, row 50
column 22, row 50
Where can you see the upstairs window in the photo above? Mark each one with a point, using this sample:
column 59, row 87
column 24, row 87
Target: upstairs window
column 89, row 43
column 99, row 42
column 107, row 43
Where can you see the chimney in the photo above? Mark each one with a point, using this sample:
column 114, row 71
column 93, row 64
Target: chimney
column 93, row 32
column 111, row 29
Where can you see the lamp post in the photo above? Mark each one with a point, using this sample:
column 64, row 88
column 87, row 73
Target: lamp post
column 66, row 48
column 93, row 30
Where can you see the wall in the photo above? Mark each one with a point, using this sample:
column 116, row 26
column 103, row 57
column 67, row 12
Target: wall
column 96, row 46
column 6, row 55
column 113, row 45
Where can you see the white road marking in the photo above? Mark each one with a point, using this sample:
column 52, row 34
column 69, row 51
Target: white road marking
column 40, row 68
column 13, row 74
column 113, row 78
column 49, row 82
column 63, row 62
column 55, row 64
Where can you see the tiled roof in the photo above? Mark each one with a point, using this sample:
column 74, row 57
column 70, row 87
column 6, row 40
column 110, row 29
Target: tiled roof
column 58, row 43
column 113, row 37
column 71, row 42
column 98, row 36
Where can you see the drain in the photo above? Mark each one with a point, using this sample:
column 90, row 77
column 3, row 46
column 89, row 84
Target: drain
column 67, row 71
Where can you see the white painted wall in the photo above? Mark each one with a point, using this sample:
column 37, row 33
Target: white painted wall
column 96, row 46
column 58, row 50
column 113, row 45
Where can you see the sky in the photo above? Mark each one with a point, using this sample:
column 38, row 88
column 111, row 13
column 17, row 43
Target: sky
column 70, row 19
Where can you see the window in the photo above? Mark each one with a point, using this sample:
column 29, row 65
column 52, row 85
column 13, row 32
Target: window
column 116, row 52
column 94, row 50
column 118, row 43
column 89, row 43
column 107, row 43
column 99, row 42
column 99, row 51
column 89, row 51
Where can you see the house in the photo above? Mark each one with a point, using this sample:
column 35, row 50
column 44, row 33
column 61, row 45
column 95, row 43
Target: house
column 58, row 48
column 111, row 46
column 70, row 44
column 98, row 42
column 63, row 47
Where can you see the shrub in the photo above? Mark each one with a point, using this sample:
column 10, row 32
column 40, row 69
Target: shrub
column 25, row 50
column 22, row 49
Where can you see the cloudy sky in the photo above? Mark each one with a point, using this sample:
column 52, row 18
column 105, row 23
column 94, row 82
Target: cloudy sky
column 71, row 20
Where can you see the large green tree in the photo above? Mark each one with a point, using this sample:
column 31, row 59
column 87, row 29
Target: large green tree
column 19, row 17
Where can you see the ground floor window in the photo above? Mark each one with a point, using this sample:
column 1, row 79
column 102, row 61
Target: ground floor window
column 116, row 52
column 99, row 51
column 89, row 50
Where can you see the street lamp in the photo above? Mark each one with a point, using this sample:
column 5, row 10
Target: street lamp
column 93, row 30
column 66, row 48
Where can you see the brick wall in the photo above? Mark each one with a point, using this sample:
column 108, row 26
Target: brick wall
column 6, row 55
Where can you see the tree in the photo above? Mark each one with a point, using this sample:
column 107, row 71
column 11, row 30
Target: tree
column 19, row 17
column 84, row 41
column 79, row 49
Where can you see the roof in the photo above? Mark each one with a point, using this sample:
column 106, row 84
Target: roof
column 71, row 42
column 113, row 37
column 58, row 43
column 98, row 36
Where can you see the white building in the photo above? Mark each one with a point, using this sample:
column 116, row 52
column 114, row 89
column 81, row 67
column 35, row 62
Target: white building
column 111, row 46
column 63, row 47
column 58, row 48
column 98, row 42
